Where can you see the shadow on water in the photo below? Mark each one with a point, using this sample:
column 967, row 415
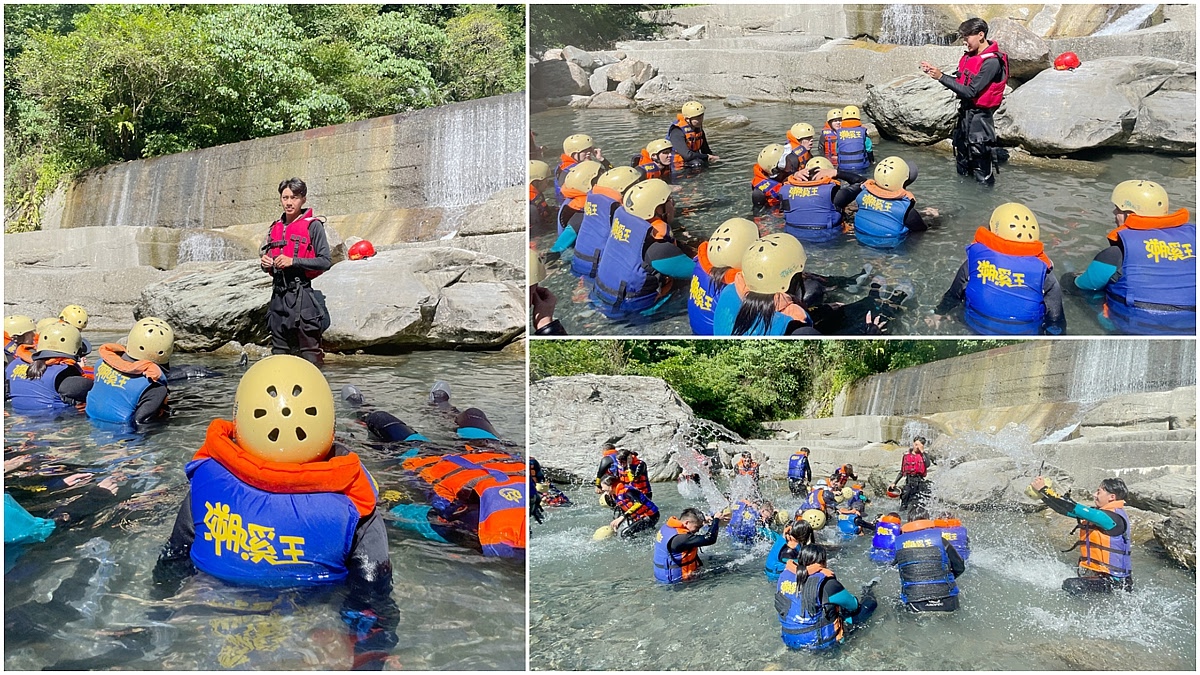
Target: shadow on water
column 1073, row 210
column 458, row 610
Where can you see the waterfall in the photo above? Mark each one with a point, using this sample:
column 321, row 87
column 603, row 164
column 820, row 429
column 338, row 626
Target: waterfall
column 477, row 148
column 208, row 247
column 1105, row 368
column 1128, row 21
column 913, row 25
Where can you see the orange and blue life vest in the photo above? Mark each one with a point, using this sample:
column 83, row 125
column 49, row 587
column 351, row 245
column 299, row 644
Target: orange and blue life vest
column 968, row 67
column 652, row 169
column 40, row 395
column 730, row 301
column 704, row 291
column 798, row 466
column 119, row 385
column 670, row 568
column 880, row 219
column 883, row 544
column 847, row 522
column 852, row 146
column 293, row 240
column 1156, row 293
column 598, row 209
column 692, row 136
column 829, row 137
column 807, row 623
column 625, row 281
column 273, row 524
column 808, row 210
column 797, row 155
column 1004, row 293
column 1104, row 553
column 633, row 504
column 923, row 564
column 633, row 477
column 566, row 162
column 818, row 499
column 770, row 187
column 956, row 533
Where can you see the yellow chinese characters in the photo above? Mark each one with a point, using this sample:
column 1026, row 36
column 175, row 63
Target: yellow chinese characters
column 252, row 542
column 1173, row 251
column 999, row 276
column 699, row 297
column 789, row 587
column 798, row 192
column 589, row 209
column 875, row 203
column 109, row 375
column 620, row 232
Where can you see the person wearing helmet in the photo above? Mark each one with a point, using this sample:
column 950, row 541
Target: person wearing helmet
column 579, row 182
column 48, row 379
column 677, row 545
column 688, row 139
column 799, row 473
column 1007, row 282
column 928, row 565
column 1151, row 294
column 131, row 380
column 576, row 148
column 979, row 85
column 842, row 475
column 19, row 333
column 717, row 262
column 854, row 149
column 541, row 300
column 75, row 315
column 296, row 251
column 1105, row 536
column 763, row 298
column 640, row 258
column 596, row 225
column 829, row 134
column 275, row 501
column 820, row 498
column 540, row 178
column 816, row 612
column 813, row 200
column 887, row 211
column 883, row 543
column 767, row 176
column 799, row 144
column 850, row 514
column 657, row 160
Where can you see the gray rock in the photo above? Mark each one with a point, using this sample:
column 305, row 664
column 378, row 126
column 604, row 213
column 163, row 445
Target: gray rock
column 692, row 33
column 558, row 101
column 611, row 100
column 975, row 485
column 619, row 55
column 505, row 211
column 627, row 89
column 606, row 58
column 1028, row 54
column 599, row 80
column 553, row 55
column 558, row 78
column 580, row 102
column 209, row 304
column 98, row 247
column 1164, row 494
column 1166, row 120
column 109, row 295
column 1177, row 534
column 913, row 109
column 632, row 69
column 727, row 122
column 659, row 94
column 1176, row 407
column 738, row 102
column 581, row 58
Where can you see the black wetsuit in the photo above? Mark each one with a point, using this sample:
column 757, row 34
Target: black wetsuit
column 974, row 135
column 916, row 489
column 679, row 144
column 296, row 317
column 685, row 542
column 1053, row 323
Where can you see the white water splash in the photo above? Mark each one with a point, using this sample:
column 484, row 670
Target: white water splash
column 1128, row 21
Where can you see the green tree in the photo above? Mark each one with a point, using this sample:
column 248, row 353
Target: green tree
column 479, row 55
column 587, row 26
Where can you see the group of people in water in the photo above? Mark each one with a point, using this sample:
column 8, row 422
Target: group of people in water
column 814, row 608
column 615, row 224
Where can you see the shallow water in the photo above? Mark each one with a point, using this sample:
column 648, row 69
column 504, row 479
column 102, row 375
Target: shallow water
column 1073, row 210
column 458, row 610
column 595, row 605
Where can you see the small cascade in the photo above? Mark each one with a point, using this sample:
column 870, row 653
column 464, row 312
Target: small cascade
column 912, row 25
column 205, row 246
column 476, row 149
column 1131, row 20
column 1105, row 368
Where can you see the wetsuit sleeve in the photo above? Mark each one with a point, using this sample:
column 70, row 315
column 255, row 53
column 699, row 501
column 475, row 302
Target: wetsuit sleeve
column 669, row 259
column 679, row 144
column 1102, row 270
column 683, row 542
column 1055, row 321
column 849, row 177
column 957, row 565
column 73, row 388
column 835, row 593
column 605, row 464
column 913, row 219
column 322, row 260
column 704, row 145
column 552, row 328
column 843, row 196
column 953, row 295
column 174, row 564
column 988, row 73
column 151, row 403
column 1073, row 509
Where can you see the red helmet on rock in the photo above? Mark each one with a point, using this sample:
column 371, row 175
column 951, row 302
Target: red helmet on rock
column 1066, row 61
column 361, row 249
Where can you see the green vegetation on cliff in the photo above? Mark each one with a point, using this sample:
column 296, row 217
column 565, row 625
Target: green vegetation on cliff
column 587, row 26
column 740, row 383
column 88, row 85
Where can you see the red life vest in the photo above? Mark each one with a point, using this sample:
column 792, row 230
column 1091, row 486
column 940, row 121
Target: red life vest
column 293, row 240
column 913, row 464
column 968, row 68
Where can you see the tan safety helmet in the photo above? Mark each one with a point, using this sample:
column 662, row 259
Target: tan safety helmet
column 892, row 173
column 846, row 495
column 833, row 114
column 538, row 170
column 17, row 324
column 819, row 163
column 151, row 339
column 1015, row 222
column 577, row 143
column 620, row 178
column 815, row 518
column 692, row 109
column 768, row 159
column 771, row 262
column 658, row 145
column 643, row 199
column 42, row 323
column 729, row 243
column 802, row 130
column 283, row 411
column 1143, row 197
column 74, row 315
column 851, row 112
column 537, row 268
column 582, row 176
column 60, row 337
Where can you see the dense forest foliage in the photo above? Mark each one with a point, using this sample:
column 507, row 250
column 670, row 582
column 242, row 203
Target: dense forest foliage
column 587, row 26
column 86, row 85
column 740, row 383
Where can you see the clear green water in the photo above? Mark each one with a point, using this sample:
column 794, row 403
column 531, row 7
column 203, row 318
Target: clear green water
column 1073, row 210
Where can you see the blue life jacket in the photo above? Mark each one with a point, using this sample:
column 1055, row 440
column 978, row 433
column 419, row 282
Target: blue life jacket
column 774, row 566
column 1156, row 294
column 884, row 542
column 809, row 213
column 846, row 523
column 957, row 536
column 1004, row 293
column 670, row 568
column 880, row 221
column 701, row 298
column 114, row 397
column 797, row 465
column 594, row 231
column 252, row 537
column 38, row 395
column 852, row 148
column 625, row 282
column 812, row 501
column 729, row 303
column 743, row 524
column 806, row 624
column 924, row 566
column 499, row 501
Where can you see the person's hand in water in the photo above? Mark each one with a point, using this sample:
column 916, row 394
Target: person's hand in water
column 543, row 302
column 713, row 158
column 877, row 325
column 930, row 212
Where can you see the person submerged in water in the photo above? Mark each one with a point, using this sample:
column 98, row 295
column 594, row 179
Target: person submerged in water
column 815, row 610
column 637, row 512
column 1105, row 536
column 131, row 379
column 48, row 380
column 717, row 262
column 677, row 545
column 814, row 200
column 19, row 332
column 688, row 138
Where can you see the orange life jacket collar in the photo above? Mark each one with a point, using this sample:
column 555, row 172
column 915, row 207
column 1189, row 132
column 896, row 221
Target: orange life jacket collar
column 1020, row 248
column 111, row 354
column 918, row 525
column 850, row 124
column 883, row 193
column 796, row 179
column 795, row 141
column 677, row 524
column 534, row 193
column 1135, row 222
column 607, row 192
column 895, row 520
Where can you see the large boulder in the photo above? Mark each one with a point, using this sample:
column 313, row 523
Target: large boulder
column 1028, row 54
column 627, row 89
column 209, row 304
column 550, row 79
column 661, row 93
column 1096, row 105
column 583, row 59
column 599, row 80
column 1164, row 494
column 632, row 69
column 988, row 483
column 1177, row 534
column 914, row 109
column 1164, row 122
column 610, row 100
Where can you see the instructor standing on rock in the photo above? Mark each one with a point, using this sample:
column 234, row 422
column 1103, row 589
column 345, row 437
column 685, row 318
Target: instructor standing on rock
column 295, row 253
column 982, row 73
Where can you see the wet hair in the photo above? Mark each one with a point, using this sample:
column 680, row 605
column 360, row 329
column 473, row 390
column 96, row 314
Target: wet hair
column 805, row 450
column 1115, row 487
column 36, row 369
column 718, row 279
column 922, row 439
column 693, row 515
column 294, row 184
column 609, row 481
column 760, row 307
column 608, row 446
column 893, row 514
column 810, row 554
column 801, row 531
column 972, row 26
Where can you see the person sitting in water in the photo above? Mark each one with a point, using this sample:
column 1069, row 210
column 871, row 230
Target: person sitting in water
column 656, row 161
column 677, row 546
column 929, row 565
column 829, row 134
column 74, row 315
column 576, row 148
column 851, row 512
column 595, row 228
column 131, row 380
column 767, row 177
column 1105, row 536
column 637, row 512
column 48, row 379
column 540, row 212
column 1152, row 294
column 19, row 333
column 887, row 211
column 542, row 300
column 540, row 483
column 814, row 200
column 799, row 147
column 748, row 522
column 883, row 544
column 575, row 188
column 786, row 546
column 842, row 475
column 815, row 611
column 799, row 473
column 746, row 466
column 688, row 139
column 717, row 262
column 1007, row 281
column 632, row 472
column 274, row 501
column 854, row 151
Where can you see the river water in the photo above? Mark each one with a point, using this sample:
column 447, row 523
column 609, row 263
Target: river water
column 596, row 606
column 458, row 610
column 1073, row 210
